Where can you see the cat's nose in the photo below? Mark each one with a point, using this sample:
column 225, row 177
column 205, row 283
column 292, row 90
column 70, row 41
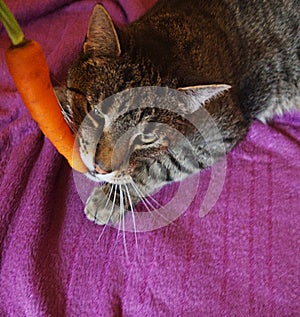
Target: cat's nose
column 101, row 169
column 103, row 156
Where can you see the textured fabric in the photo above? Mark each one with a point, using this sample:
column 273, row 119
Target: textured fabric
column 242, row 259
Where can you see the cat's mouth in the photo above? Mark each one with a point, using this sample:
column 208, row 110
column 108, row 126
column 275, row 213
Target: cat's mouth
column 115, row 178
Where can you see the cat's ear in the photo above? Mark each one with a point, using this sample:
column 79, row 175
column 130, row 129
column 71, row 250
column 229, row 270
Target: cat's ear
column 102, row 37
column 198, row 96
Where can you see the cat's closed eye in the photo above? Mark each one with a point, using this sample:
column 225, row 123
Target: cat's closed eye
column 147, row 139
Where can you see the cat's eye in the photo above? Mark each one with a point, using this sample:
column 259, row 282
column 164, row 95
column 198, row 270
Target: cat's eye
column 96, row 112
column 148, row 138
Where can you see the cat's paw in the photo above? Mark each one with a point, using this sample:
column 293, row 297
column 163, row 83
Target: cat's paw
column 102, row 208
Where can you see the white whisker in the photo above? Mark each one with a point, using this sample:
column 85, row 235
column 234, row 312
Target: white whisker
column 148, row 198
column 142, row 199
column 146, row 202
column 133, row 217
column 122, row 214
column 111, row 211
column 107, row 201
column 119, row 226
column 118, row 233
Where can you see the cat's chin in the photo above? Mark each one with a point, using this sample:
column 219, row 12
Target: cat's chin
column 111, row 178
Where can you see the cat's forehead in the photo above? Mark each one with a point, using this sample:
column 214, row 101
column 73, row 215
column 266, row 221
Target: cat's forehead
column 134, row 99
column 92, row 69
column 141, row 104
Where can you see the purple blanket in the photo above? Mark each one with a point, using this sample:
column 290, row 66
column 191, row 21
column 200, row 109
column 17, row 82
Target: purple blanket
column 242, row 259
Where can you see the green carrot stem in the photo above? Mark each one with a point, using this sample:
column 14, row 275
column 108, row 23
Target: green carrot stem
column 11, row 25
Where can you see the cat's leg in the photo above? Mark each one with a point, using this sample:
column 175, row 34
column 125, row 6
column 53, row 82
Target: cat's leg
column 109, row 203
column 103, row 205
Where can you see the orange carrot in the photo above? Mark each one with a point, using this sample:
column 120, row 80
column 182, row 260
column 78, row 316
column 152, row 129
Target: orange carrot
column 29, row 70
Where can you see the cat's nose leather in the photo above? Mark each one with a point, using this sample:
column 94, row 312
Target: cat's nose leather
column 99, row 168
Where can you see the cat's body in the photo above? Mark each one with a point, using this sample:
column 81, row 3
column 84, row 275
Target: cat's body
column 253, row 46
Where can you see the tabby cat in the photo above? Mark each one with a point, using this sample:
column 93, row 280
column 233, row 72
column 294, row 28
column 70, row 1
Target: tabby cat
column 236, row 59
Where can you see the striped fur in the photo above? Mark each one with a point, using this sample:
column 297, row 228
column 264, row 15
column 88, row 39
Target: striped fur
column 252, row 47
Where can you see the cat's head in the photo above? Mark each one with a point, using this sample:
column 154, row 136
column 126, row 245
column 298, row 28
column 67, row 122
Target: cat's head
column 129, row 134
